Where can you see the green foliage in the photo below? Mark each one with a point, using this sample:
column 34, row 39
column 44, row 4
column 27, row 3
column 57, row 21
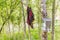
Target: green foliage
column 34, row 35
column 14, row 7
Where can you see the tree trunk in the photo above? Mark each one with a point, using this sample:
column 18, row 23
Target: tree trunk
column 29, row 33
column 39, row 19
column 44, row 14
column 53, row 15
column 24, row 21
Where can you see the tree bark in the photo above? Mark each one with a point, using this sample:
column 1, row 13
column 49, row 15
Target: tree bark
column 44, row 14
column 24, row 20
column 53, row 15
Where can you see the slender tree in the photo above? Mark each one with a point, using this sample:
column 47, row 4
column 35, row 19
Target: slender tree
column 19, row 18
column 23, row 20
column 8, row 20
column 53, row 15
column 29, row 33
column 39, row 18
column 44, row 15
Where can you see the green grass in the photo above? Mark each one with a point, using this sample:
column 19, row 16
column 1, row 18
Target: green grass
column 34, row 35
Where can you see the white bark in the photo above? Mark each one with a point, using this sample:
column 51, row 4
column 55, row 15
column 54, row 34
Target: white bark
column 44, row 28
column 46, row 21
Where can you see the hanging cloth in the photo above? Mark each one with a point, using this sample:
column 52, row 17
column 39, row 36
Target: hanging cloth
column 30, row 17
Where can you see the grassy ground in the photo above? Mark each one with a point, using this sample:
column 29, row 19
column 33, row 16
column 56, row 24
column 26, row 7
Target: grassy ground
column 34, row 35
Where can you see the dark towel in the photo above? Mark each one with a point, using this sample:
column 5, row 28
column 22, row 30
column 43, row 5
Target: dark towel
column 30, row 17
